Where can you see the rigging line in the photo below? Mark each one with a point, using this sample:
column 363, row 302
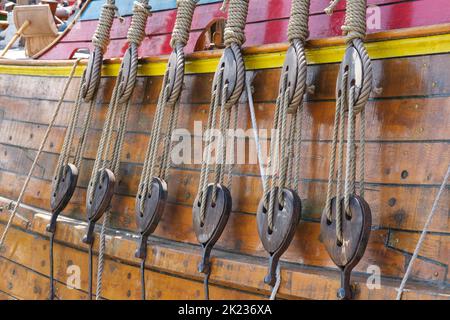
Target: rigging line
column 41, row 147
column 251, row 107
column 422, row 235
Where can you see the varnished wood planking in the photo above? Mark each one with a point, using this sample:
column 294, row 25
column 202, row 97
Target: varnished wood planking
column 435, row 247
column 392, row 205
column 184, row 183
column 392, row 119
column 23, row 283
column 393, row 163
column 231, row 270
column 122, row 281
column 426, row 76
column 240, row 236
column 394, row 114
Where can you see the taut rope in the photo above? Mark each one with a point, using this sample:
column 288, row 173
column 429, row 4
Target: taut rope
column 223, row 102
column 422, row 235
column 110, row 146
column 166, row 117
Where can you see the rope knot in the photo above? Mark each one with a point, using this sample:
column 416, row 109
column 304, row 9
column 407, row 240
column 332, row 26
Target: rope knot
column 136, row 32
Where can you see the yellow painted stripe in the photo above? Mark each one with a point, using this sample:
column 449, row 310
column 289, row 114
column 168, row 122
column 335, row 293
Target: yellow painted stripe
column 377, row 50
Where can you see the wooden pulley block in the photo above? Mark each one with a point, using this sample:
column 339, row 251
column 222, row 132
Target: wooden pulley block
column 216, row 218
column 128, row 67
column 353, row 64
column 356, row 226
column 92, row 75
column 229, row 63
column 148, row 220
column 62, row 192
column 173, row 76
column 101, row 201
column 286, row 217
column 290, row 68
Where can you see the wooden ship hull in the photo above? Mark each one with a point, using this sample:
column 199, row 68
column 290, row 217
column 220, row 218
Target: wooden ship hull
column 407, row 152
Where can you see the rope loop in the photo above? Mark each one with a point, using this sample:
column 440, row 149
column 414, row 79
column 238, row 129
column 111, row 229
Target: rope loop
column 141, row 11
column 185, row 12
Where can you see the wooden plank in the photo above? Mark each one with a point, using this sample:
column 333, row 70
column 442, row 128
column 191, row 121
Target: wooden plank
column 232, row 270
column 392, row 205
column 425, row 73
column 392, row 163
column 435, row 247
column 414, row 119
column 240, row 234
column 25, row 284
column 121, row 281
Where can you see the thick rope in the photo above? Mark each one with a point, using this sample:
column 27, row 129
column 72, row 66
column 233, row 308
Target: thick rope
column 234, row 28
column 41, row 147
column 355, row 18
column 100, row 39
column 298, row 22
column 423, row 235
column 185, row 12
column 136, row 32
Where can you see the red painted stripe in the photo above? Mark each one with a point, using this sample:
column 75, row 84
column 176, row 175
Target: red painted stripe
column 394, row 15
column 163, row 22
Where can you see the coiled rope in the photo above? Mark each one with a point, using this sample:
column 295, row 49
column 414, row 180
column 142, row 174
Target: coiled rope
column 166, row 112
column 234, row 37
column 110, row 146
column 347, row 103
